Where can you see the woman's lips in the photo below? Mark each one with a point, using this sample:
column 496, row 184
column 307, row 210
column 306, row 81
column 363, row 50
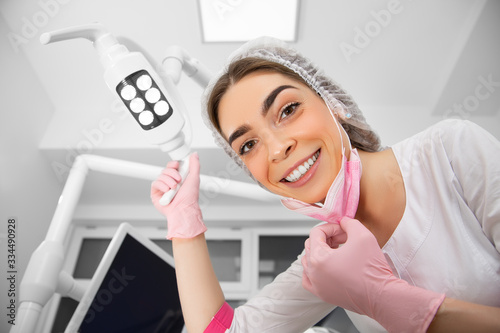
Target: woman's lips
column 303, row 171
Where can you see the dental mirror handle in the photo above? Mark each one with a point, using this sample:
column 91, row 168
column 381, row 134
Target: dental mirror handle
column 183, row 170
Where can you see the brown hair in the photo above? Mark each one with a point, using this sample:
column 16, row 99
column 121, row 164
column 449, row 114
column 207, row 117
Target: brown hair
column 237, row 71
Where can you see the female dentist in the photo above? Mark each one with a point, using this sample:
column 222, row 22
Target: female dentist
column 420, row 221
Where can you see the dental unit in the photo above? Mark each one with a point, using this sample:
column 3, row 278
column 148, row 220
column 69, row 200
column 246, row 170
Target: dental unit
column 154, row 102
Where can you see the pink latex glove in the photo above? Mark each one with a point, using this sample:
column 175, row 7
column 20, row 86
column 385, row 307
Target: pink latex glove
column 357, row 277
column 183, row 214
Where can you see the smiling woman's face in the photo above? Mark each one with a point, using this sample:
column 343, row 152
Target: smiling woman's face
column 284, row 133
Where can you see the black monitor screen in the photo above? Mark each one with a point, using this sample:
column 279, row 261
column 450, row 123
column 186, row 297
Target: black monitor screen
column 138, row 295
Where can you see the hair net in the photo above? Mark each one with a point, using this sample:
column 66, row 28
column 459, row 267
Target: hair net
column 350, row 117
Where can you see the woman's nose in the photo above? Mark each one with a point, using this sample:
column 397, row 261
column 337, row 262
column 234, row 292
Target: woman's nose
column 280, row 147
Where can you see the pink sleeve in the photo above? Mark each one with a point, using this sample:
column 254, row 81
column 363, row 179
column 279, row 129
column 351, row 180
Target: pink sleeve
column 222, row 320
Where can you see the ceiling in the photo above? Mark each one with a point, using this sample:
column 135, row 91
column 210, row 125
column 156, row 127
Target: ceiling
column 407, row 63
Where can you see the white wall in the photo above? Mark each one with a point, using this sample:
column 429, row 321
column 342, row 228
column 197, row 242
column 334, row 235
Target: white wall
column 28, row 187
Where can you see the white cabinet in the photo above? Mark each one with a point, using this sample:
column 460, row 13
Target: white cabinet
column 230, row 253
column 276, row 249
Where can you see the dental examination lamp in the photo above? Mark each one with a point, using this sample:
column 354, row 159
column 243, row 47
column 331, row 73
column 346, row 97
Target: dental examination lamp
column 154, row 102
column 156, row 106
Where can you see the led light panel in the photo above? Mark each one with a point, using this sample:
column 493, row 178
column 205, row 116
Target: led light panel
column 144, row 99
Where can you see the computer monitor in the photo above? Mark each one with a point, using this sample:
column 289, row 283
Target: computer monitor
column 134, row 289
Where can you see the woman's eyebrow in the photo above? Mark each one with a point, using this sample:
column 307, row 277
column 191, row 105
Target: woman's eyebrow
column 236, row 134
column 268, row 102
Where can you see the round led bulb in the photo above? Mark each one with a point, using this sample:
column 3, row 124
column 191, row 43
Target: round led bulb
column 161, row 108
column 153, row 95
column 144, row 82
column 128, row 92
column 137, row 105
column 146, row 117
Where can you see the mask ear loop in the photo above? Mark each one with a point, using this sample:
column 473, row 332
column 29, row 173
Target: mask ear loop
column 348, row 115
column 341, row 137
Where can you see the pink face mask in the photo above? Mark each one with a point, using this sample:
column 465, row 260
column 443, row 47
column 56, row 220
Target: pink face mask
column 343, row 196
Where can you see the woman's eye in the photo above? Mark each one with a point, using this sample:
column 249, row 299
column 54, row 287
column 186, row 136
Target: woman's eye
column 246, row 147
column 288, row 110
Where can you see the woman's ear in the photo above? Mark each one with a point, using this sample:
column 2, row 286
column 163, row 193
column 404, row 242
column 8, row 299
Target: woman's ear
column 340, row 112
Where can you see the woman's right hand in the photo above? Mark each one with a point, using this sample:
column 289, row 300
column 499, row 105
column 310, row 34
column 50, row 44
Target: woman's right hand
column 184, row 219
column 357, row 277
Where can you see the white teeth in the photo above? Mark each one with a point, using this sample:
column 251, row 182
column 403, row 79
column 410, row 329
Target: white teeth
column 302, row 169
